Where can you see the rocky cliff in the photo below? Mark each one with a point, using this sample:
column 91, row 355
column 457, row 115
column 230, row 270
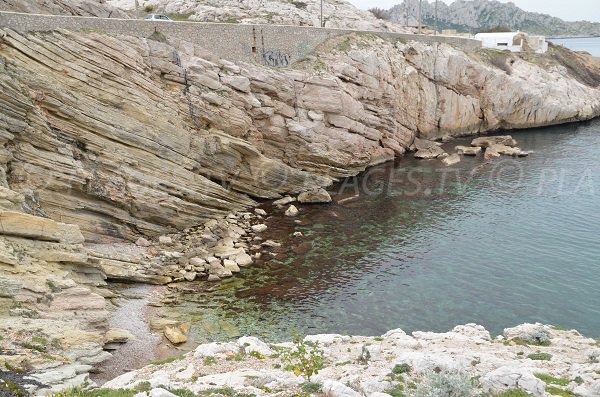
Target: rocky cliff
column 478, row 15
column 86, row 8
column 125, row 136
column 336, row 13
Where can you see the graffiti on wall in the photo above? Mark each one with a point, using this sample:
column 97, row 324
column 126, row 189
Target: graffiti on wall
column 276, row 58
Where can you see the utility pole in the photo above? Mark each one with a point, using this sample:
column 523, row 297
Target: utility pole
column 436, row 20
column 321, row 13
column 420, row 10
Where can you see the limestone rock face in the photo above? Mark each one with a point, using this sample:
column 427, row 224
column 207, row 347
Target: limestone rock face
column 154, row 136
column 86, row 8
column 337, row 13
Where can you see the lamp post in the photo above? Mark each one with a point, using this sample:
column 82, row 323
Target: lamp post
column 420, row 9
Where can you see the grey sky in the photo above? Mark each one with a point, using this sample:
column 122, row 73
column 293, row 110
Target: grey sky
column 572, row 10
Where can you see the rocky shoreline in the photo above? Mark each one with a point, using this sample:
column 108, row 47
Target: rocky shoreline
column 539, row 360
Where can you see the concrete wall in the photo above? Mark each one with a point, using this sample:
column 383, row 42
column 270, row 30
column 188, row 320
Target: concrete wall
column 272, row 45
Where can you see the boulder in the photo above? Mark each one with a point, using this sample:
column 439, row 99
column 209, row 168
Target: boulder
column 451, row 160
column 175, row 335
column 314, row 197
column 243, row 259
column 423, row 144
column 487, row 141
column 142, row 242
column 291, row 211
column 230, row 265
column 165, row 240
column 118, row 335
column 429, row 153
column 190, row 276
column 468, row 150
column 284, row 201
column 260, row 211
column 512, row 377
column 333, row 388
column 259, row 228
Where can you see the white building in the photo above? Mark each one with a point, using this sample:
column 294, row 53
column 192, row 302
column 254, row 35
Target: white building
column 513, row 41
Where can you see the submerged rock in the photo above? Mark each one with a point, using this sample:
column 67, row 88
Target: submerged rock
column 468, row 150
column 451, row 160
column 487, row 141
column 429, row 153
column 291, row 211
column 314, row 197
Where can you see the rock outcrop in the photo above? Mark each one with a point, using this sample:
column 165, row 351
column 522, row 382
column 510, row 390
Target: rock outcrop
column 336, row 13
column 125, row 136
column 84, row 8
column 464, row 362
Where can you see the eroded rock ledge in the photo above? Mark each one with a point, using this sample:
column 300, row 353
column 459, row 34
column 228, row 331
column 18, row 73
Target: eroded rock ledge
column 535, row 358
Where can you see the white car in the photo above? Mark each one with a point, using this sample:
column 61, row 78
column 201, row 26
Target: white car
column 157, row 18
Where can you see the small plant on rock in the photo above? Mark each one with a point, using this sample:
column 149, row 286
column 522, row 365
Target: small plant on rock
column 446, row 384
column 540, row 356
column 305, row 358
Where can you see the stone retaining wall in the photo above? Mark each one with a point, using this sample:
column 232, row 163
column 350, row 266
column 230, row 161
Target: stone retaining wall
column 273, row 45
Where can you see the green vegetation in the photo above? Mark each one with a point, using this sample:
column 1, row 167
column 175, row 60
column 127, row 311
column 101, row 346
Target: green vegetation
column 513, row 393
column 305, row 358
column 258, row 355
column 447, row 384
column 32, row 346
column 540, row 356
column 378, row 338
column 551, row 380
column 311, row 387
column 209, row 360
column 143, row 386
column 224, row 391
column 396, row 391
column 365, row 356
column 149, row 8
column 555, row 391
column 11, row 389
column 401, row 369
column 379, row 13
column 230, row 20
column 236, row 357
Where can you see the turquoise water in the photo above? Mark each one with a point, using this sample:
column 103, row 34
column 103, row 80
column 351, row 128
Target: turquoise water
column 591, row 45
column 420, row 246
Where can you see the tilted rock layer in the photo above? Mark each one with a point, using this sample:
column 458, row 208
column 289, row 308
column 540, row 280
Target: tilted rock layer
column 126, row 136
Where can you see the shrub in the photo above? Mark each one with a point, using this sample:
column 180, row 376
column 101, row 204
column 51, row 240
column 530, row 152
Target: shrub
column 401, row 369
column 305, row 358
column 513, row 393
column 149, row 8
column 379, row 13
column 300, row 5
column 540, row 356
column 446, row 384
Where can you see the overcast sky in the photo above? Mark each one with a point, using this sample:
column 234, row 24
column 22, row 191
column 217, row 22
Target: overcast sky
column 571, row 10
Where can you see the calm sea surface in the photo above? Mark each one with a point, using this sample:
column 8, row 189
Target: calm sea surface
column 420, row 246
column 591, row 45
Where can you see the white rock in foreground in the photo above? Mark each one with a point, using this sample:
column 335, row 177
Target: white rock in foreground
column 357, row 366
